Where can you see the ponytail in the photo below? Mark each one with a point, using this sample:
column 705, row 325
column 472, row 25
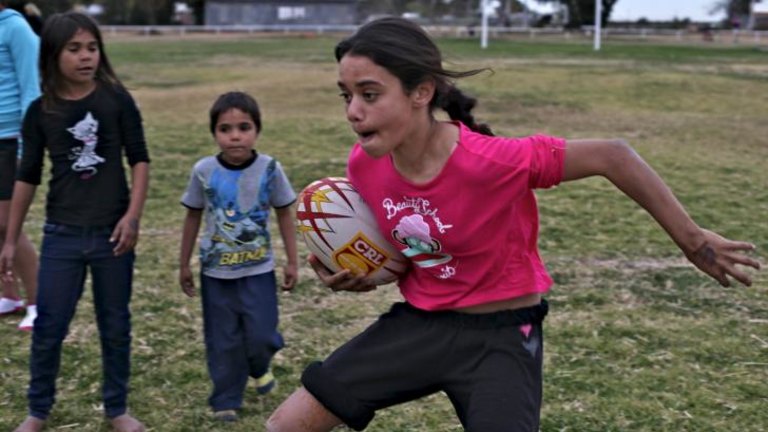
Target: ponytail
column 459, row 107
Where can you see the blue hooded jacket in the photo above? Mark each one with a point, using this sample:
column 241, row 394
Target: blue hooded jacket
column 19, row 76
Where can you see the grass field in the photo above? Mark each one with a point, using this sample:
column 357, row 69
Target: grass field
column 637, row 340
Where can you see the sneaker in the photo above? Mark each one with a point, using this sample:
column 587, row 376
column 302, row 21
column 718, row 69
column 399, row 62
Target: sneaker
column 265, row 383
column 27, row 324
column 9, row 306
column 225, row 416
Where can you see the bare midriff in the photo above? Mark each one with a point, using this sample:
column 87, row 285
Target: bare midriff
column 511, row 304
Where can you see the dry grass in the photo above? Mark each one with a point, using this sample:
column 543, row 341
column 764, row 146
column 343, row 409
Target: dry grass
column 636, row 340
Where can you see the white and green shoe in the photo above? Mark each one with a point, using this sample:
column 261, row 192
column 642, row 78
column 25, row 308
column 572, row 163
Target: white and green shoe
column 265, row 383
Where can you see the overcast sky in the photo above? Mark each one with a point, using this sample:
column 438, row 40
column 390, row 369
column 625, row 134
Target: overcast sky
column 696, row 10
column 654, row 10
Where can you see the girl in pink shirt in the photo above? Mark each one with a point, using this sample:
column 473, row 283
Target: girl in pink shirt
column 465, row 248
column 459, row 203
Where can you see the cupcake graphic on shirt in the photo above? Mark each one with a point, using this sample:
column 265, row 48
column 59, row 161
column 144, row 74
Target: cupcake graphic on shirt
column 422, row 249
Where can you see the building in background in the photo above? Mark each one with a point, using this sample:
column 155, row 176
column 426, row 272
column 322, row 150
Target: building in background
column 265, row 12
column 759, row 16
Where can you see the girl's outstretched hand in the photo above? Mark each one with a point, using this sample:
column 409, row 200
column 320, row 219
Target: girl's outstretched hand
column 344, row 280
column 718, row 257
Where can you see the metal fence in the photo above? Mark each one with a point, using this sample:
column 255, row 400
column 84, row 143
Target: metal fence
column 709, row 35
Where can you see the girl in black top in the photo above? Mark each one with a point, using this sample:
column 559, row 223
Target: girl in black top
column 86, row 121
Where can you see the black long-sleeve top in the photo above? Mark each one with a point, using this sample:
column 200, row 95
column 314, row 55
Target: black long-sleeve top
column 86, row 140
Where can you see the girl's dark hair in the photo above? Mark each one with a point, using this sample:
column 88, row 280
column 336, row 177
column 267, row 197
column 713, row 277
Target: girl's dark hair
column 57, row 31
column 239, row 100
column 404, row 49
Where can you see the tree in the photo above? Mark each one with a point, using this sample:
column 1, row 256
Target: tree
column 198, row 9
column 116, row 12
column 48, row 7
column 733, row 7
column 582, row 12
column 735, row 10
column 151, row 12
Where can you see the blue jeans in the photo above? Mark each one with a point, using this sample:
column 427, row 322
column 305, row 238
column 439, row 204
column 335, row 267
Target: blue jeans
column 240, row 318
column 66, row 255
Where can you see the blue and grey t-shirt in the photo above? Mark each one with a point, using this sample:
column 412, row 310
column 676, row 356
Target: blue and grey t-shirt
column 237, row 200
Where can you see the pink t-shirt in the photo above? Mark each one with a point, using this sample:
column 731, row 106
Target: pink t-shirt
column 471, row 232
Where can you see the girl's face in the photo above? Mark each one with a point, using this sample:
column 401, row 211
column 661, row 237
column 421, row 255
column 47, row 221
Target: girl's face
column 235, row 133
column 79, row 60
column 377, row 107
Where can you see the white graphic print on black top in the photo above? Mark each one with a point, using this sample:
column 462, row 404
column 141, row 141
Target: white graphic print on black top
column 85, row 156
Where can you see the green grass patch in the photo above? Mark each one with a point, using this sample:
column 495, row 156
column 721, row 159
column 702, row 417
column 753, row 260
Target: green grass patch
column 637, row 340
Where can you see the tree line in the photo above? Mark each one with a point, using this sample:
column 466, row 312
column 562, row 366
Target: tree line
column 159, row 12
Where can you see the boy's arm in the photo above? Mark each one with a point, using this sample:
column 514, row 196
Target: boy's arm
column 285, row 221
column 126, row 232
column 188, row 238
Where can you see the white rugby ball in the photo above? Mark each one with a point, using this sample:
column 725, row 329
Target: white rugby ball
column 340, row 230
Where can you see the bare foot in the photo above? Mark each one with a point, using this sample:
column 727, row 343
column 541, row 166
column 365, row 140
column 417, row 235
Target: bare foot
column 31, row 424
column 126, row 423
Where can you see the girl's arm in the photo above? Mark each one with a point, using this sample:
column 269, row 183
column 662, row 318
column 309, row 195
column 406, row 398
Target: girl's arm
column 20, row 202
column 285, row 221
column 188, row 238
column 25, row 48
column 618, row 162
column 126, row 232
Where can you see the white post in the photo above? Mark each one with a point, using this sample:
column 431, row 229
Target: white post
column 527, row 13
column 484, row 31
column 598, row 13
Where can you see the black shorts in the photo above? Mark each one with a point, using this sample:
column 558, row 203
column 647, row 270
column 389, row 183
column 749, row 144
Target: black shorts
column 8, row 160
column 486, row 364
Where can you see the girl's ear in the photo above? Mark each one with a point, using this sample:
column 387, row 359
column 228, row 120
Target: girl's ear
column 423, row 93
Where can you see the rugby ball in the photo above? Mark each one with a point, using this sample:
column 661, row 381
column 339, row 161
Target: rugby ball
column 340, row 230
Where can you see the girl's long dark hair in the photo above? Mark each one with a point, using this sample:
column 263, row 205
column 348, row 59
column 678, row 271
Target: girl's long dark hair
column 407, row 52
column 57, row 31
